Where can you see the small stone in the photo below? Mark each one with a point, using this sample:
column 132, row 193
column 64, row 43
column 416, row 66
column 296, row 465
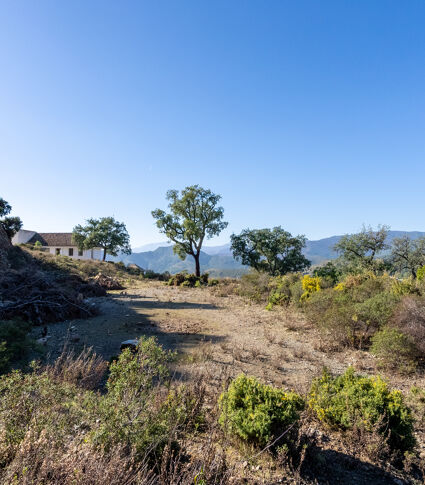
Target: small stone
column 43, row 340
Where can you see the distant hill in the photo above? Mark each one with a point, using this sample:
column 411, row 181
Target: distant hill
column 218, row 260
column 163, row 259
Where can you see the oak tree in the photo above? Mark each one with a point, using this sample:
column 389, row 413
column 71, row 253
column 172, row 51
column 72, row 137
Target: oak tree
column 363, row 251
column 105, row 233
column 194, row 215
column 274, row 251
column 407, row 254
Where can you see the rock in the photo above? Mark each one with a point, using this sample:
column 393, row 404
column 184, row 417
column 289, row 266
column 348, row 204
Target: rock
column 43, row 340
column 129, row 344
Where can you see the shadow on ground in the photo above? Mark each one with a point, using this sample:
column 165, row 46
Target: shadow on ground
column 329, row 467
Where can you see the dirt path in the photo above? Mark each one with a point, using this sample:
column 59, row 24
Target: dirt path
column 226, row 335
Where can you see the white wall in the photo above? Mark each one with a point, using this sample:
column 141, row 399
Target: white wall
column 87, row 253
column 22, row 236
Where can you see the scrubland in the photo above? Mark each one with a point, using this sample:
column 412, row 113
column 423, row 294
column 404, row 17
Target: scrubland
column 293, row 379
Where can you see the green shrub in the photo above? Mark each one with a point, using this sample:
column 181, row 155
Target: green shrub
column 189, row 280
column 256, row 412
column 14, row 343
column 255, row 286
column 354, row 310
column 34, row 401
column 353, row 401
column 284, row 290
column 140, row 413
column 394, row 349
column 134, row 411
column 377, row 310
column 38, row 246
column 416, row 400
column 405, row 287
column 328, row 272
column 409, row 318
column 332, row 312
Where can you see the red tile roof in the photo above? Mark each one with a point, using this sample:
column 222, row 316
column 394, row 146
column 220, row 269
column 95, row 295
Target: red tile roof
column 53, row 239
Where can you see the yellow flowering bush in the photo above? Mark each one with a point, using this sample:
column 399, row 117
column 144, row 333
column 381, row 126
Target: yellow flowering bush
column 420, row 274
column 354, row 280
column 404, row 287
column 311, row 284
column 257, row 412
column 351, row 400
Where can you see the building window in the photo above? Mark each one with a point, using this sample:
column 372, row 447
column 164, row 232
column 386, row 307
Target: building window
column 58, row 251
column 80, row 252
column 71, row 252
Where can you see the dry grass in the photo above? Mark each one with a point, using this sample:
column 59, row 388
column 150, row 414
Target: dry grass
column 255, row 352
column 270, row 336
column 85, row 370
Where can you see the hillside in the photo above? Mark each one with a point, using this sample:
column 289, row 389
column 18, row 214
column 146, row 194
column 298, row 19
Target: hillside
column 163, row 259
column 218, row 260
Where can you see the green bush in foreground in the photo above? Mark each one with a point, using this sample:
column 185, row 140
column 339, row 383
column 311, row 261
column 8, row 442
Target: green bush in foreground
column 141, row 410
column 257, row 412
column 352, row 401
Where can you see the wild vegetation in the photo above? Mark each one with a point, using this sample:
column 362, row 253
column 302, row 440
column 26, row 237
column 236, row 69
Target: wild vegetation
column 83, row 418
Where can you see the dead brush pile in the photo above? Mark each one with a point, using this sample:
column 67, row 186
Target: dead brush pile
column 107, row 282
column 30, row 292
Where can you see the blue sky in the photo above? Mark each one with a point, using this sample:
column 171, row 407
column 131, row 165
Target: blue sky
column 306, row 114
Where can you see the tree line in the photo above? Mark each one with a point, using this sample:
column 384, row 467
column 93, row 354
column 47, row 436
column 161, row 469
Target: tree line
column 194, row 215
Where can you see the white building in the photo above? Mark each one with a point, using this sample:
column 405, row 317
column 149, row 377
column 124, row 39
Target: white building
column 57, row 243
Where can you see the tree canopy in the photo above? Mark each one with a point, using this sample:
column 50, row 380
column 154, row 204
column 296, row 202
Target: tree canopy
column 5, row 208
column 407, row 255
column 364, row 249
column 105, row 233
column 11, row 225
column 274, row 251
column 194, row 215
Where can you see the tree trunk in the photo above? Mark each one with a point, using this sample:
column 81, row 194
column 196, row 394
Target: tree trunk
column 197, row 265
column 104, row 254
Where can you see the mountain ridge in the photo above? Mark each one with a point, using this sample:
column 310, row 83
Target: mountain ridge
column 219, row 261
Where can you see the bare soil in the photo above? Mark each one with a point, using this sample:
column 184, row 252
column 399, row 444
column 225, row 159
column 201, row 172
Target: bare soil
column 219, row 332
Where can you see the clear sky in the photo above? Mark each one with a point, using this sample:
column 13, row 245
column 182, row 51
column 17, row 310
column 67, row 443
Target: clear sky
column 305, row 114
